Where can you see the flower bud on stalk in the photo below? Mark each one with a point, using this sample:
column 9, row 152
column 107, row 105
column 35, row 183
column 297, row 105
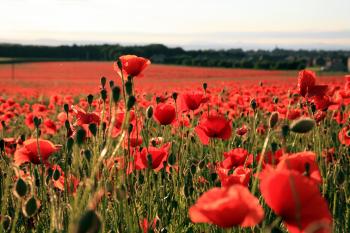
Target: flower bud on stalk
column 21, row 188
column 103, row 82
column 149, row 112
column 302, row 125
column 66, row 108
column 131, row 102
column 116, row 94
column 90, row 98
column 273, row 119
column 30, row 207
column 128, row 87
column 104, row 95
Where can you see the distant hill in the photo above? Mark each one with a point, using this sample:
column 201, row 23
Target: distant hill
column 278, row 59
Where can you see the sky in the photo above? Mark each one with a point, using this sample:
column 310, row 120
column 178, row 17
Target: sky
column 191, row 24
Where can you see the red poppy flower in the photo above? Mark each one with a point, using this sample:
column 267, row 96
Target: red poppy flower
column 306, row 80
column 227, row 207
column 302, row 162
column 164, row 114
column 192, row 100
column 295, row 198
column 73, row 182
column 240, row 175
column 29, row 151
column 133, row 65
column 50, row 127
column 84, row 117
column 344, row 136
column 213, row 126
column 234, row 158
column 158, row 155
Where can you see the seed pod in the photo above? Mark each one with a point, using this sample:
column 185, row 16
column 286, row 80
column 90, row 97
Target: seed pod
column 131, row 102
column 70, row 143
column 149, row 112
column 81, row 134
column 128, row 87
column 66, row 108
column 273, row 119
column 89, row 222
column 21, row 188
column 116, row 94
column 205, row 86
column 111, row 84
column 56, row 174
column 6, row 222
column 285, row 131
column 174, row 95
column 93, row 128
column 90, row 99
column 103, row 95
column 37, row 122
column 30, row 207
column 103, row 82
column 302, row 125
column 253, row 104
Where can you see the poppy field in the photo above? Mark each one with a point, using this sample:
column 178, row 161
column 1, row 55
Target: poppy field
column 130, row 146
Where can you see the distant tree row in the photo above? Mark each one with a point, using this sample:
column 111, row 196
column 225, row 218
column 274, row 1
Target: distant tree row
column 279, row 59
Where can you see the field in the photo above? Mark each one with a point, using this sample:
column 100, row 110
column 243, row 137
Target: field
column 157, row 148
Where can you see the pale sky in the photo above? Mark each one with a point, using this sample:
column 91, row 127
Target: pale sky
column 187, row 23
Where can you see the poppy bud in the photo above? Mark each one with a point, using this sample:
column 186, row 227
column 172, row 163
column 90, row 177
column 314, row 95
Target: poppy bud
column 93, row 128
column 2, row 145
column 3, row 124
column 30, row 207
column 131, row 102
column 172, row 159
column 87, row 154
column 149, row 112
column 253, row 104
column 157, row 99
column 37, row 122
column 285, row 131
column 56, row 175
column 261, row 83
column 103, row 82
column 70, row 143
column 81, row 134
column 116, row 94
column 273, row 119
column 111, row 84
column 90, row 98
column 89, row 222
column 205, row 86
column 103, row 95
column 21, row 188
column 66, row 108
column 302, row 125
column 275, row 99
column 6, row 222
column 128, row 87
column 174, row 95
column 130, row 78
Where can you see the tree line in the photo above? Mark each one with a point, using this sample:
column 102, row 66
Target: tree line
column 277, row 59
